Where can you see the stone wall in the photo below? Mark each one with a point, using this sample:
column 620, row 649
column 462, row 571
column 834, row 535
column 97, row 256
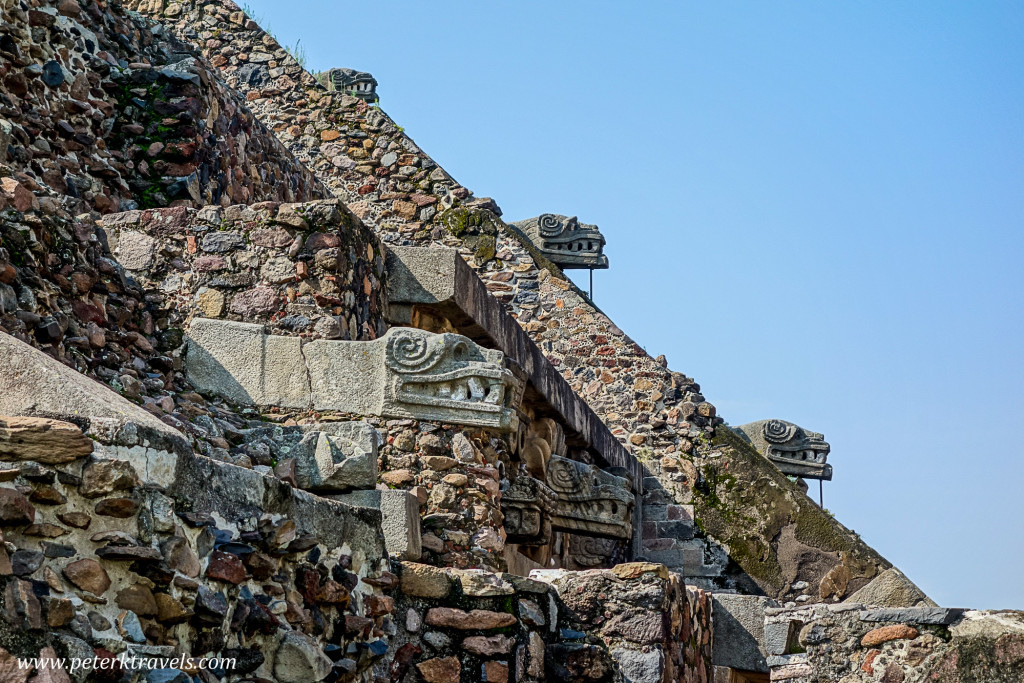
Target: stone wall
column 112, row 302
column 121, row 540
column 102, row 111
column 311, row 270
column 853, row 643
column 635, row 622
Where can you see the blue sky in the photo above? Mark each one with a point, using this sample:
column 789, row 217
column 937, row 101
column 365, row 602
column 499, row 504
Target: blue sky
column 814, row 209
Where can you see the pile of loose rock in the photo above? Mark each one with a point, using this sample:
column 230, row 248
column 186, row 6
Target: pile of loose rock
column 103, row 111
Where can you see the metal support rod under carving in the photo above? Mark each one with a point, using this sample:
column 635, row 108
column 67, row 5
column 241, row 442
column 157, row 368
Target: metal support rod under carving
column 821, row 494
column 591, row 283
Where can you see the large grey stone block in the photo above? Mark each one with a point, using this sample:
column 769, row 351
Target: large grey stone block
column 891, row 588
column 400, row 511
column 637, row 666
column 337, row 456
column 410, row 373
column 913, row 615
column 242, row 363
column 739, row 631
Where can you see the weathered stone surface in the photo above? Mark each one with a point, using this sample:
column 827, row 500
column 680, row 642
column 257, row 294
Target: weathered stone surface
column 495, row 672
column 424, row 581
column 135, row 250
column 42, row 439
column 891, row 588
column 300, row 660
column 138, row 599
column 476, row 620
column 102, row 477
column 640, row 667
column 488, row 646
column 915, row 615
column 33, row 384
column 481, row 584
column 343, row 458
column 226, row 567
column 88, row 575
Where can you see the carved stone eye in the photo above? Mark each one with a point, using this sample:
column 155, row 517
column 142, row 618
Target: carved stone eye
column 777, row 431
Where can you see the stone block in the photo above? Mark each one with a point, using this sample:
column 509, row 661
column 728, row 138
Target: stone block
column 243, row 364
column 739, row 631
column 338, row 456
column 655, row 513
column 672, row 557
column 410, row 373
column 638, row 666
column 682, row 530
column 778, row 635
column 913, row 615
column 891, row 588
column 401, row 519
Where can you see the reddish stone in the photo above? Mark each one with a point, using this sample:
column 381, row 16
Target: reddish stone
column 379, row 605
column 255, row 302
column 226, row 567
column 122, row 508
column 438, row 670
column 496, row 672
column 205, row 264
column 477, row 619
column 272, row 237
column 321, row 240
column 15, row 510
column 88, row 575
column 887, row 633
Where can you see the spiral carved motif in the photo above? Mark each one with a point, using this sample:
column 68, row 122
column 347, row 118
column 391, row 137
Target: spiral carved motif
column 549, row 225
column 563, row 476
column 777, row 431
column 411, row 353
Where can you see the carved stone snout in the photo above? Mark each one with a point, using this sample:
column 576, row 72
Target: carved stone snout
column 565, row 241
column 408, row 373
column 794, row 450
column 575, row 497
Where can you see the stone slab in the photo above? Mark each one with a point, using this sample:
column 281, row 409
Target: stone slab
column 400, row 512
column 913, row 615
column 243, row 364
column 739, row 631
column 33, row 384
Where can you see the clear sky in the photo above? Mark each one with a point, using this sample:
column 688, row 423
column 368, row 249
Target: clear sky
column 815, row 209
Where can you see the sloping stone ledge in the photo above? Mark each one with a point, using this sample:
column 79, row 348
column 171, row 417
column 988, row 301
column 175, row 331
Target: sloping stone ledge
column 405, row 374
column 437, row 281
column 35, row 385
